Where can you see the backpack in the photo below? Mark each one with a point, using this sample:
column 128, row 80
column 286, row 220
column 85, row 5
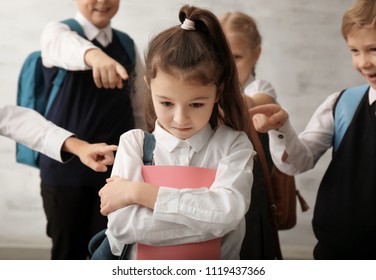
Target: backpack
column 283, row 194
column 31, row 91
column 344, row 110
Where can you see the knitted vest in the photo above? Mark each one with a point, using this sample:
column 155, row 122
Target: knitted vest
column 93, row 114
column 345, row 209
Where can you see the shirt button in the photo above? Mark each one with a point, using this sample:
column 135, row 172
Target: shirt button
column 280, row 136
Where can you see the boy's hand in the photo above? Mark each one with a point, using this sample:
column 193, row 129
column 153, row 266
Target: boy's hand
column 97, row 156
column 107, row 72
column 268, row 117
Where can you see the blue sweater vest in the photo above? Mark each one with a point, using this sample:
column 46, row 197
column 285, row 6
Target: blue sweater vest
column 345, row 210
column 93, row 114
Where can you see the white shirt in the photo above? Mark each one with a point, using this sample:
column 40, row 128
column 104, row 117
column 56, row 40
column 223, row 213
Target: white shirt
column 253, row 86
column 187, row 215
column 61, row 47
column 31, row 129
column 305, row 149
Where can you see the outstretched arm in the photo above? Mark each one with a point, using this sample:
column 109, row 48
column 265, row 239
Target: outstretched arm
column 107, row 72
column 62, row 47
column 28, row 127
column 95, row 156
column 258, row 99
column 268, row 117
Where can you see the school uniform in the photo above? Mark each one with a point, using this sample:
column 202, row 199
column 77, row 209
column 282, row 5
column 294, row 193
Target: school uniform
column 187, row 215
column 29, row 128
column 343, row 220
column 70, row 191
column 259, row 242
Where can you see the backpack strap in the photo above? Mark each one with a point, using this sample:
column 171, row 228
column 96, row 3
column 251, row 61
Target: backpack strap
column 74, row 26
column 344, row 111
column 255, row 139
column 149, row 146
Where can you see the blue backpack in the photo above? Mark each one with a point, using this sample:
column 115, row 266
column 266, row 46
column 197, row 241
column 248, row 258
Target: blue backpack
column 344, row 111
column 31, row 91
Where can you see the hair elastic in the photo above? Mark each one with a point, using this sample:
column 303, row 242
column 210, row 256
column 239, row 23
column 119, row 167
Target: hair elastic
column 188, row 25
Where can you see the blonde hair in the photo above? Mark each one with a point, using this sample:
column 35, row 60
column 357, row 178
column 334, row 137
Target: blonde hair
column 361, row 14
column 243, row 24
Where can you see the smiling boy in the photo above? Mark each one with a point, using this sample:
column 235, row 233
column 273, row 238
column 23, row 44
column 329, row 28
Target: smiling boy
column 99, row 99
column 344, row 218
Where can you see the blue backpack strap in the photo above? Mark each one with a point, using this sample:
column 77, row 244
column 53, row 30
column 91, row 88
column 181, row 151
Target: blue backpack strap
column 74, row 26
column 345, row 110
column 149, row 146
column 127, row 44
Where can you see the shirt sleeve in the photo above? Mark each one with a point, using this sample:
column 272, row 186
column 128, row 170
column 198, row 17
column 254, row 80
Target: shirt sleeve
column 305, row 149
column 62, row 47
column 31, row 129
column 190, row 215
column 260, row 86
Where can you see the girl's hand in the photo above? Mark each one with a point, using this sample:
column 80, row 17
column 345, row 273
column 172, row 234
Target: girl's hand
column 268, row 117
column 115, row 194
column 120, row 192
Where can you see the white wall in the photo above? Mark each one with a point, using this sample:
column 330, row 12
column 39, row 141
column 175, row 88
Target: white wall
column 304, row 57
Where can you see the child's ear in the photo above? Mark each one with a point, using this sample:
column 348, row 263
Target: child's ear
column 257, row 52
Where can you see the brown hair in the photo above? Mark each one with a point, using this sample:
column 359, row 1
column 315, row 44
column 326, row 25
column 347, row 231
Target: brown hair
column 361, row 14
column 201, row 56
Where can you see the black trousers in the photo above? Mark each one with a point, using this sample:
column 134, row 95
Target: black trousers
column 73, row 218
column 366, row 251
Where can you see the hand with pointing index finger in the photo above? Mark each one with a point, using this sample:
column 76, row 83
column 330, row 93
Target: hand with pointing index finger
column 268, row 117
column 107, row 72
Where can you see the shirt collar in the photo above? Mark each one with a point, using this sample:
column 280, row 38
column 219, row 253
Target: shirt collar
column 372, row 95
column 170, row 142
column 249, row 81
column 90, row 30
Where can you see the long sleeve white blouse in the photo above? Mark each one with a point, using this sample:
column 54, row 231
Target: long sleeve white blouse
column 187, row 215
column 31, row 129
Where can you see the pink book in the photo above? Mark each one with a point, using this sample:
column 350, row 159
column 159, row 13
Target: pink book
column 180, row 177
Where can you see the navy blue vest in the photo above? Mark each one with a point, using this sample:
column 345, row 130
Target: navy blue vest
column 93, row 114
column 345, row 209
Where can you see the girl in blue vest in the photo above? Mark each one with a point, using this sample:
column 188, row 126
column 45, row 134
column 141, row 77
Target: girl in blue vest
column 343, row 220
column 198, row 117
